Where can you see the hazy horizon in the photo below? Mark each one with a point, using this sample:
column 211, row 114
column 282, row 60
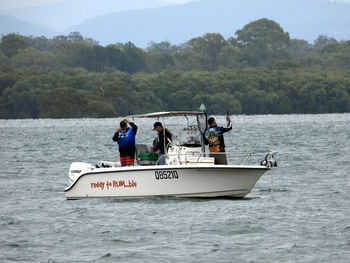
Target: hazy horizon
column 138, row 21
column 42, row 12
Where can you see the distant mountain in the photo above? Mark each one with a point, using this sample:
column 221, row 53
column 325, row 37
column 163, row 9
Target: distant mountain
column 9, row 24
column 303, row 19
column 66, row 13
column 177, row 24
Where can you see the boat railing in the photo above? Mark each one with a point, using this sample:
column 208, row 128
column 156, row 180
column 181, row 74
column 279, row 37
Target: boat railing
column 237, row 158
column 241, row 158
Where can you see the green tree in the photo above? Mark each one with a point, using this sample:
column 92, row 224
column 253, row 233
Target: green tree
column 219, row 103
column 3, row 109
column 12, row 43
column 75, row 37
column 313, row 60
column 299, row 48
column 322, row 41
column 71, row 103
column 8, row 77
column 121, row 97
column 41, row 43
column 161, row 47
column 3, row 59
column 21, row 100
column 207, row 48
column 115, row 57
column 31, row 57
column 143, row 85
column 230, row 57
column 264, row 42
column 23, row 86
column 134, row 58
column 157, row 62
column 337, row 55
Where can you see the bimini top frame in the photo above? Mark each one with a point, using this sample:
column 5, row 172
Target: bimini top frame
column 164, row 114
column 201, row 125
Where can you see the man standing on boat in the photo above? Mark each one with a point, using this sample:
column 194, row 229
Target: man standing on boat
column 164, row 138
column 125, row 136
column 215, row 138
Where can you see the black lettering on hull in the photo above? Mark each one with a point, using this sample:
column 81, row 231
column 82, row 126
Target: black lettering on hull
column 160, row 175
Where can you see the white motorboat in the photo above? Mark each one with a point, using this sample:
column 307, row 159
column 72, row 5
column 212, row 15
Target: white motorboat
column 188, row 170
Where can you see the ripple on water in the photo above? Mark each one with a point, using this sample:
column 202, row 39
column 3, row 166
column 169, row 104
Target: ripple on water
column 298, row 212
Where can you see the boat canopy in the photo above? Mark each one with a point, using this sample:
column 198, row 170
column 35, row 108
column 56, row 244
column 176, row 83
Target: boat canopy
column 169, row 114
column 191, row 133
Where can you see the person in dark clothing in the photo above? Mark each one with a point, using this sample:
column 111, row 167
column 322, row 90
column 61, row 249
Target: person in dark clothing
column 164, row 138
column 125, row 136
column 215, row 138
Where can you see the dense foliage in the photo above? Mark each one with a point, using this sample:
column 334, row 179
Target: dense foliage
column 261, row 71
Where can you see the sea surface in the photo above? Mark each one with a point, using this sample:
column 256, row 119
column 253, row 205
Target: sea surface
column 298, row 212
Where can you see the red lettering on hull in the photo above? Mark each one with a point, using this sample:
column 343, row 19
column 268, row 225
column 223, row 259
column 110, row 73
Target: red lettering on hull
column 113, row 184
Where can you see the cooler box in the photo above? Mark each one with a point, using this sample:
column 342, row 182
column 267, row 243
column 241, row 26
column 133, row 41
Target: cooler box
column 148, row 158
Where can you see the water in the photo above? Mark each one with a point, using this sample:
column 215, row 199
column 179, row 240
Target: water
column 298, row 212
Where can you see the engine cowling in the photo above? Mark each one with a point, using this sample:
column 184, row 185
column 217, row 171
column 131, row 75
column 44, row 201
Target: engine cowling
column 77, row 168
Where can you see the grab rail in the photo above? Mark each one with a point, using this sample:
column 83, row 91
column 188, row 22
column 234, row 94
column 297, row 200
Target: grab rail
column 245, row 157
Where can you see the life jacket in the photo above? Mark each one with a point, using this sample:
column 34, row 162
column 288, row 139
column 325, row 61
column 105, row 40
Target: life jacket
column 214, row 136
column 126, row 140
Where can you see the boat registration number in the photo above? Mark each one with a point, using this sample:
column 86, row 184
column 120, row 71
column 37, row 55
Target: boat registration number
column 166, row 175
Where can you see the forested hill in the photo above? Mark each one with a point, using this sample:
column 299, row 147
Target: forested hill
column 110, row 21
column 304, row 19
column 260, row 70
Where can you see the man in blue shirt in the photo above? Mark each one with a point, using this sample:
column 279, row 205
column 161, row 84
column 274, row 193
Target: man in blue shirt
column 215, row 138
column 125, row 136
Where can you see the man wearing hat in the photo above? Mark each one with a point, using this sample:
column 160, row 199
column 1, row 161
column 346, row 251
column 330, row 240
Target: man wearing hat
column 125, row 136
column 164, row 138
column 215, row 138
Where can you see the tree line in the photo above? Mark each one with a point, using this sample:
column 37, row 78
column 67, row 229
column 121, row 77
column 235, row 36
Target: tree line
column 260, row 71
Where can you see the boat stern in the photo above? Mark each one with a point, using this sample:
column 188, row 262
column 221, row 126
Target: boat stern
column 77, row 168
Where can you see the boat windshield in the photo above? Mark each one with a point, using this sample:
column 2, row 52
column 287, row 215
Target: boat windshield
column 191, row 125
column 190, row 137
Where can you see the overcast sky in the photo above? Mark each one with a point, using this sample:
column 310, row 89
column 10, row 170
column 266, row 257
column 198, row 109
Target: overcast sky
column 42, row 12
column 5, row 4
column 62, row 17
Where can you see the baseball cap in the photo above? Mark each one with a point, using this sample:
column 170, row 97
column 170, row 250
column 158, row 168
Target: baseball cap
column 156, row 124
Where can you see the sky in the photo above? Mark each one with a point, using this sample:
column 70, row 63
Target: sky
column 7, row 4
column 43, row 12
column 60, row 16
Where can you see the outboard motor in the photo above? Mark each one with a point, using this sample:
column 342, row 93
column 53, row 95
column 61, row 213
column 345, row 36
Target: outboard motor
column 77, row 168
column 269, row 160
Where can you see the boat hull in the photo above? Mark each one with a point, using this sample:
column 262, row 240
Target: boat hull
column 178, row 181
